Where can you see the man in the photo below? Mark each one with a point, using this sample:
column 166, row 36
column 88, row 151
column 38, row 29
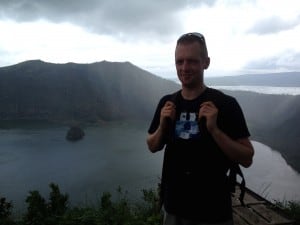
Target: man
column 204, row 132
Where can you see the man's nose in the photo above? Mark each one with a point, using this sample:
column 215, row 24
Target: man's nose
column 185, row 65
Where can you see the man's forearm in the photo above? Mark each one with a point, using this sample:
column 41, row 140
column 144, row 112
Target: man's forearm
column 155, row 141
column 240, row 151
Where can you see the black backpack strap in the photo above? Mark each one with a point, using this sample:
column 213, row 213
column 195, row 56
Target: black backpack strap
column 234, row 171
column 174, row 97
column 170, row 136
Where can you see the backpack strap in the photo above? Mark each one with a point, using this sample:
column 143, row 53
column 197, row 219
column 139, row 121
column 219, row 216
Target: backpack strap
column 234, row 171
column 174, row 97
column 170, row 136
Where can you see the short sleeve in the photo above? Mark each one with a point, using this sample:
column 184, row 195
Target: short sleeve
column 233, row 121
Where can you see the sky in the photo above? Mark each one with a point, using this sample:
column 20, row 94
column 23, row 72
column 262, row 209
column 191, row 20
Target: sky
column 243, row 36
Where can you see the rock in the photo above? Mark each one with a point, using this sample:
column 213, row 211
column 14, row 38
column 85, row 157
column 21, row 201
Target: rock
column 75, row 134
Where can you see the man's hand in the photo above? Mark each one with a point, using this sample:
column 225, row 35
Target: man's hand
column 210, row 112
column 156, row 140
column 167, row 113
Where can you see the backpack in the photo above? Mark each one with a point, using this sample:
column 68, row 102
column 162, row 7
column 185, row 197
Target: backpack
column 234, row 168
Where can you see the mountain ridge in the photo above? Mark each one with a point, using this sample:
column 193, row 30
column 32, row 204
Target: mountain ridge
column 96, row 87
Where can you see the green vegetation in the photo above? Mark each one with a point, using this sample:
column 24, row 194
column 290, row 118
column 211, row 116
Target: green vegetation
column 291, row 209
column 57, row 210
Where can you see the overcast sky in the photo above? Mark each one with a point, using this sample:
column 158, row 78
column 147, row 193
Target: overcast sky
column 243, row 36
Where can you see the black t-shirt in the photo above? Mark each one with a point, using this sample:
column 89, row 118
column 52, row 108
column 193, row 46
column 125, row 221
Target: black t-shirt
column 194, row 181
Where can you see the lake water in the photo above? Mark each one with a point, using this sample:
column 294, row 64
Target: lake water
column 271, row 176
column 263, row 89
column 110, row 155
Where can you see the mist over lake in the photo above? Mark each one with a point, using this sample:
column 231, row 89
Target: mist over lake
column 110, row 155
column 263, row 89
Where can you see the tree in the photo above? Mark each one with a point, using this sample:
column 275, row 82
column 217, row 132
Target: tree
column 5, row 212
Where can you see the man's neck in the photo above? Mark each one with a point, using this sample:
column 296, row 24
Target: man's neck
column 190, row 93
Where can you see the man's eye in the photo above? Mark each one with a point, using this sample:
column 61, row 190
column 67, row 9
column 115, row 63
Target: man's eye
column 179, row 62
column 193, row 61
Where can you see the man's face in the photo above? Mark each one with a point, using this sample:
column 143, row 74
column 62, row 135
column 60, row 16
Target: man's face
column 190, row 64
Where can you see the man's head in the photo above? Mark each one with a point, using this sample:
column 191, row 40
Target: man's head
column 194, row 37
column 191, row 59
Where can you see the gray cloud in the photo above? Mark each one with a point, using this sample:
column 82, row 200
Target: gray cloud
column 288, row 61
column 273, row 25
column 126, row 17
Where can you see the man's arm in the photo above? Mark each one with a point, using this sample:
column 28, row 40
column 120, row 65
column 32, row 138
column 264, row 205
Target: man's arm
column 156, row 140
column 240, row 151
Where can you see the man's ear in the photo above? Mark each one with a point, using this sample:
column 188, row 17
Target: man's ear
column 207, row 62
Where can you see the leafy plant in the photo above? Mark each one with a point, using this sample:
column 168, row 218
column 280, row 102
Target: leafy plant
column 39, row 212
column 149, row 211
column 36, row 210
column 58, row 202
column 291, row 209
column 5, row 212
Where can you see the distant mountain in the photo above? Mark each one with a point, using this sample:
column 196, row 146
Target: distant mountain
column 291, row 79
column 62, row 92
column 36, row 90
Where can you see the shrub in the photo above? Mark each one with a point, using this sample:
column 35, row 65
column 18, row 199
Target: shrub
column 5, row 212
column 56, row 211
column 39, row 212
column 291, row 209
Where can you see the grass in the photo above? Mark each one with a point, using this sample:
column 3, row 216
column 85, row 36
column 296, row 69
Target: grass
column 56, row 210
column 291, row 209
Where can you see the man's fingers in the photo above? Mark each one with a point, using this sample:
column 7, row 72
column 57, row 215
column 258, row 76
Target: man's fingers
column 208, row 104
column 169, row 104
column 207, row 109
column 168, row 110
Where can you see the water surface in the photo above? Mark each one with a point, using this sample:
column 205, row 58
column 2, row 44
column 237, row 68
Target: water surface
column 110, row 155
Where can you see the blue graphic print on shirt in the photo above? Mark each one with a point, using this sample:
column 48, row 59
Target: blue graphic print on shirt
column 187, row 126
